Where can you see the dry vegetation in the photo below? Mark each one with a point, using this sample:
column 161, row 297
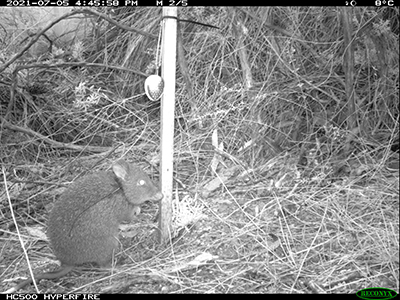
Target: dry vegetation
column 306, row 203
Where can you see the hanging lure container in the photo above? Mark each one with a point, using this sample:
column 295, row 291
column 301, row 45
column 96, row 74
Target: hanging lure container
column 154, row 87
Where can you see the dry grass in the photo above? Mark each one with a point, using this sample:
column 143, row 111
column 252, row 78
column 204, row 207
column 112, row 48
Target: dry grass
column 311, row 207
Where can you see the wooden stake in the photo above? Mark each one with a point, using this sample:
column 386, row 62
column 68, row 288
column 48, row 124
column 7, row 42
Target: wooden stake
column 169, row 35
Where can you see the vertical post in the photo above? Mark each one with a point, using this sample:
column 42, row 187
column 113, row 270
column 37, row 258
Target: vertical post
column 169, row 36
column 348, row 64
